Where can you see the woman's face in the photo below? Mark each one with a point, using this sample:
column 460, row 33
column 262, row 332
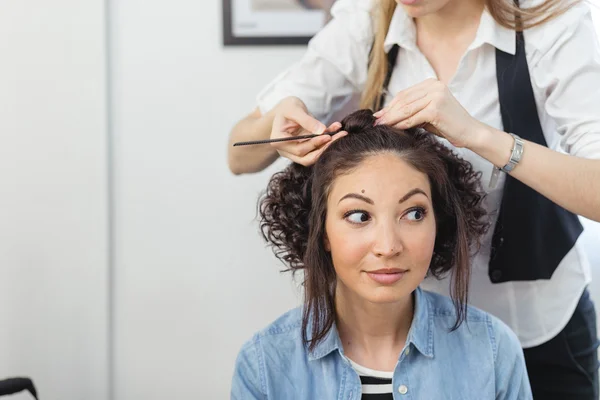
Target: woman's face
column 380, row 228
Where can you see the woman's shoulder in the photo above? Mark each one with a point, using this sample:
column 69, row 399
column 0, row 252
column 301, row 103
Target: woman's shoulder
column 478, row 326
column 280, row 343
column 443, row 306
column 285, row 331
column 289, row 322
column 482, row 347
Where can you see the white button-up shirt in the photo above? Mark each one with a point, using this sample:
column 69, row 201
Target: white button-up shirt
column 564, row 63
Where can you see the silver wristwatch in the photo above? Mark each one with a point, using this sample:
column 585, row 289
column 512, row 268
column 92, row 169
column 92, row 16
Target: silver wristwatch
column 515, row 157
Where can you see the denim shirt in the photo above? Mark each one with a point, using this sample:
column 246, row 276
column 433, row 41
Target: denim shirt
column 480, row 360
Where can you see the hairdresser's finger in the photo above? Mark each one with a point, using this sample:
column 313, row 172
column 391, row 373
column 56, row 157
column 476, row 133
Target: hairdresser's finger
column 290, row 157
column 408, row 99
column 306, row 121
column 287, row 126
column 307, row 160
column 334, row 137
column 338, row 135
column 402, row 99
column 302, row 148
column 283, row 127
column 401, row 113
column 409, row 95
column 336, row 126
column 312, row 157
column 424, row 118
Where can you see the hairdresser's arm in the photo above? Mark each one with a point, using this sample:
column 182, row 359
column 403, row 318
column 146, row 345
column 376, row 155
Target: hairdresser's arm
column 246, row 159
column 571, row 182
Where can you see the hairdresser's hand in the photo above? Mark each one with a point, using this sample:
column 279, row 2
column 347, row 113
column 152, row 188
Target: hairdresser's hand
column 292, row 119
column 430, row 105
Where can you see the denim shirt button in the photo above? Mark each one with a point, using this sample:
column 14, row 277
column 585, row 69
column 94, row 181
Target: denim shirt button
column 402, row 389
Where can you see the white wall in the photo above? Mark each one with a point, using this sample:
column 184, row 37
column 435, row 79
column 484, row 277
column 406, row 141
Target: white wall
column 53, row 202
column 192, row 279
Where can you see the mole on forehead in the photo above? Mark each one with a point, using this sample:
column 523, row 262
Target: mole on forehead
column 362, row 191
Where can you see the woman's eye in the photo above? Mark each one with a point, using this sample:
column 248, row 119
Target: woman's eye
column 416, row 215
column 357, row 217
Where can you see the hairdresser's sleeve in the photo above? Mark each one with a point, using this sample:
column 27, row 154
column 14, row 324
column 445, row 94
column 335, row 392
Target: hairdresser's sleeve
column 248, row 379
column 564, row 60
column 334, row 68
column 512, row 382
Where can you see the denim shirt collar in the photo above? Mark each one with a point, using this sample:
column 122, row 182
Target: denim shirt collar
column 420, row 334
column 422, row 329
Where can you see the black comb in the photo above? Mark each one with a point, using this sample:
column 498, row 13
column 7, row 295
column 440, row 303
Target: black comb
column 286, row 139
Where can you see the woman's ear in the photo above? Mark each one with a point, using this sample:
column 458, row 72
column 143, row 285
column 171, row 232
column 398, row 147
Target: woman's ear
column 326, row 243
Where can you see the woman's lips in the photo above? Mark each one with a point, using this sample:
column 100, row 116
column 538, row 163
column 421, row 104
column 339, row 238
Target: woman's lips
column 387, row 276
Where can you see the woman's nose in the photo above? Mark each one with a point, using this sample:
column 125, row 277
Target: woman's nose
column 388, row 242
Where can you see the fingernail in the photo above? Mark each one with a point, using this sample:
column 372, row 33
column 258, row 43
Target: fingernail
column 378, row 114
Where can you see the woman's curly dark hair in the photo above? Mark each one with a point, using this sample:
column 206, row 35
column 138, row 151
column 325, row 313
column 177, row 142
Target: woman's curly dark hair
column 294, row 207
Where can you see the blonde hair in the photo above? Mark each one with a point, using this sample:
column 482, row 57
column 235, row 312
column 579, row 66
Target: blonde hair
column 503, row 11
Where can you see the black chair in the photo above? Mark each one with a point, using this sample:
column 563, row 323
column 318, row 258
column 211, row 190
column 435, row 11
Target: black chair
column 16, row 385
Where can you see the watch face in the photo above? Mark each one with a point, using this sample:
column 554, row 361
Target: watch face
column 518, row 152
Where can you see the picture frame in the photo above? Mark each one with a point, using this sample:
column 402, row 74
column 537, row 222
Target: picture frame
column 273, row 22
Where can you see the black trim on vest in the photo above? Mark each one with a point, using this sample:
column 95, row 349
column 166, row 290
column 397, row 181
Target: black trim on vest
column 532, row 233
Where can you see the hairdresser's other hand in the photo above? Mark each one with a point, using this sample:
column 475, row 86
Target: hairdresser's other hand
column 292, row 119
column 431, row 105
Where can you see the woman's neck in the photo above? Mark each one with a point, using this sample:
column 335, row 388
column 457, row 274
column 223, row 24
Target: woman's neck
column 372, row 335
column 444, row 36
column 457, row 18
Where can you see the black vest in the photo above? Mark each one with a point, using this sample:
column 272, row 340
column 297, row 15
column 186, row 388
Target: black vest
column 532, row 234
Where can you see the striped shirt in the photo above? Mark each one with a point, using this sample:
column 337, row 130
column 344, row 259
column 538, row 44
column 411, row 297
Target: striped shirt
column 376, row 385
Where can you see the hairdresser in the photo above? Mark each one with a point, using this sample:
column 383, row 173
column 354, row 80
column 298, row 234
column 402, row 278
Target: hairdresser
column 515, row 90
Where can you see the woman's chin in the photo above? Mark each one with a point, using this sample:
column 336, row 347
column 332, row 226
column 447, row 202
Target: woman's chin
column 386, row 295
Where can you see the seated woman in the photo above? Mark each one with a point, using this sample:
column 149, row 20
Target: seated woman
column 379, row 210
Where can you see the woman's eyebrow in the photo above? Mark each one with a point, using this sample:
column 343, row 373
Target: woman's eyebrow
column 411, row 194
column 356, row 196
column 408, row 195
